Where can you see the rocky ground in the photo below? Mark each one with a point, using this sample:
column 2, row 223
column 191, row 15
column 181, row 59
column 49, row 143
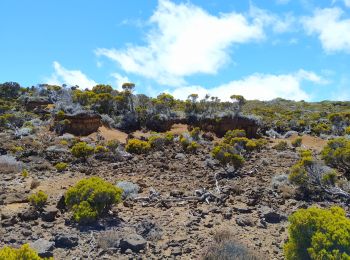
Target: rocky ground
column 172, row 217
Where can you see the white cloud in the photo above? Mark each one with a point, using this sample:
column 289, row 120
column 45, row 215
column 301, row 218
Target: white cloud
column 69, row 77
column 185, row 40
column 119, row 80
column 258, row 86
column 333, row 32
column 347, row 3
column 278, row 24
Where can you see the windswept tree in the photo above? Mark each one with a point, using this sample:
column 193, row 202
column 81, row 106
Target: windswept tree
column 240, row 101
column 128, row 88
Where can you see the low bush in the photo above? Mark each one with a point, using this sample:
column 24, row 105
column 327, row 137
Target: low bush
column 195, row 133
column 9, row 164
column 61, row 166
column 137, row 146
column 281, row 146
column 297, row 142
column 25, row 173
column 224, row 247
column 22, row 253
column 90, row 198
column 337, row 154
column 316, row 233
column 227, row 155
column 82, row 150
column 188, row 144
column 101, row 149
column 309, row 174
column 38, row 200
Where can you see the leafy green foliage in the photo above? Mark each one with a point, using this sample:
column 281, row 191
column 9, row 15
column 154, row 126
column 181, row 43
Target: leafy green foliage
column 61, row 166
column 38, row 200
column 337, row 154
column 316, row 233
column 82, row 150
column 22, row 253
column 90, row 198
column 137, row 146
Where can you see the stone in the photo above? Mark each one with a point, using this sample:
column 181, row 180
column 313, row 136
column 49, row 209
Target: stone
column 180, row 156
column 133, row 242
column 271, row 216
column 28, row 214
column 66, row 240
column 43, row 247
column 176, row 251
column 244, row 221
column 49, row 213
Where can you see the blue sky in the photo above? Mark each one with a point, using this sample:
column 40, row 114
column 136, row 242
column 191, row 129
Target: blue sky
column 295, row 49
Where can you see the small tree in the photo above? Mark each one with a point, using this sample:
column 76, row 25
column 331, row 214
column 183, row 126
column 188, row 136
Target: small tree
column 22, row 253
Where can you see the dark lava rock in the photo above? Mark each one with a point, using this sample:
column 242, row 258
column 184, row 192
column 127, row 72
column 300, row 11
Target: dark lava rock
column 49, row 213
column 133, row 242
column 66, row 240
column 29, row 214
column 271, row 216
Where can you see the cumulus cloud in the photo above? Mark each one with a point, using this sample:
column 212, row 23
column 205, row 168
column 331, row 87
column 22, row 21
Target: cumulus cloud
column 258, row 86
column 347, row 3
column 186, row 40
column 69, row 77
column 332, row 30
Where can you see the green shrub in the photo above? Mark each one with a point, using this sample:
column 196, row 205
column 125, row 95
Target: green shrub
column 25, row 173
column 347, row 130
column 82, row 150
column 195, row 133
column 90, row 198
column 281, row 146
column 112, row 145
column 137, row 146
column 38, row 200
column 316, row 233
column 330, row 178
column 337, row 154
column 156, row 141
column 188, row 145
column 297, row 142
column 226, row 155
column 61, row 166
column 22, row 253
column 169, row 137
column 101, row 149
column 229, row 135
column 321, row 128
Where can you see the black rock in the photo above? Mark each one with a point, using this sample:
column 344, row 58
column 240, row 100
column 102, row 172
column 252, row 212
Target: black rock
column 66, row 240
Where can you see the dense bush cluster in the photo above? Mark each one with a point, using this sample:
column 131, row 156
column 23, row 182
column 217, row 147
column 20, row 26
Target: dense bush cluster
column 316, row 233
column 22, row 253
column 309, row 174
column 233, row 147
column 90, row 198
column 337, row 154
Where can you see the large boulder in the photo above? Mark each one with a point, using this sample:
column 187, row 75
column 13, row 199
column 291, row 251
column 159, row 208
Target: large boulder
column 134, row 242
column 81, row 123
column 43, row 247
